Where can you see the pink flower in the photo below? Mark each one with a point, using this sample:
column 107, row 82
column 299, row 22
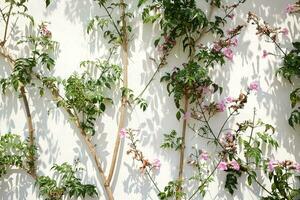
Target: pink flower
column 297, row 167
column 230, row 31
column 222, row 166
column 204, row 155
column 228, row 53
column 187, row 116
column 44, row 31
column 156, row 164
column 254, row 86
column 123, row 133
column 229, row 137
column 235, row 165
column 221, row 106
column 205, row 90
column 217, row 47
column 285, row 31
column 265, row 54
column 229, row 99
column 290, row 8
column 271, row 165
column 231, row 16
column 234, row 42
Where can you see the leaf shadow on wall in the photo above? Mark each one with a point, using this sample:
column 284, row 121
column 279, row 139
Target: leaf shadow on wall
column 17, row 184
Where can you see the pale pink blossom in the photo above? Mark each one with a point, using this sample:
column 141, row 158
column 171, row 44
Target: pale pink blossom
column 204, row 156
column 228, row 53
column 123, row 133
column 235, row 165
column 217, row 47
column 221, row 106
column 229, row 137
column 254, row 86
column 297, row 167
column 206, row 90
column 230, row 31
column 285, row 31
column 290, row 8
column 265, row 54
column 222, row 166
column 156, row 164
column 271, row 165
column 234, row 42
column 229, row 99
column 231, row 16
column 187, row 116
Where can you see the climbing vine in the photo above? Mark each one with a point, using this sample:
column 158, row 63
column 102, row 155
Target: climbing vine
column 240, row 149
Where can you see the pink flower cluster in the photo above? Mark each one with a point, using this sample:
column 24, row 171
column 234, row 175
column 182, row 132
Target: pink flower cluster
column 254, row 86
column 123, row 133
column 223, row 166
column 225, row 47
column 204, row 155
column 44, row 31
column 221, row 105
column 290, row 8
column 265, row 54
column 285, row 31
column 156, row 164
column 285, row 164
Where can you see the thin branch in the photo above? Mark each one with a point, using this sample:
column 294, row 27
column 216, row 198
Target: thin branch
column 182, row 146
column 205, row 181
column 32, row 171
column 111, row 18
column 153, row 182
column 6, row 24
column 124, row 100
column 225, row 122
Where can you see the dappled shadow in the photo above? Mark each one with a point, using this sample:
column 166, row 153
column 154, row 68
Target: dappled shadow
column 17, row 184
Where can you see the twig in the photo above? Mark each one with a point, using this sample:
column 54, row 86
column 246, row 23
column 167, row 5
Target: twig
column 109, row 15
column 6, row 24
column 205, row 181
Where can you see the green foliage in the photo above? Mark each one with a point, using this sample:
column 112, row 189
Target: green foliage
column 171, row 141
column 253, row 151
column 253, row 144
column 47, row 2
column 295, row 117
column 281, row 189
column 97, row 22
column 88, row 96
column 291, row 63
column 187, row 81
column 231, row 181
column 15, row 153
column 290, row 70
column 171, row 190
column 128, row 93
column 68, row 184
column 116, row 35
column 23, row 72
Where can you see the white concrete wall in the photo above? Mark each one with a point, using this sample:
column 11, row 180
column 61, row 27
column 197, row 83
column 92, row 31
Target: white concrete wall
column 58, row 140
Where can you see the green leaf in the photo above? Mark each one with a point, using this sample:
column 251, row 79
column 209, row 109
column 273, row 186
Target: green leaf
column 178, row 115
column 47, row 3
column 141, row 2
